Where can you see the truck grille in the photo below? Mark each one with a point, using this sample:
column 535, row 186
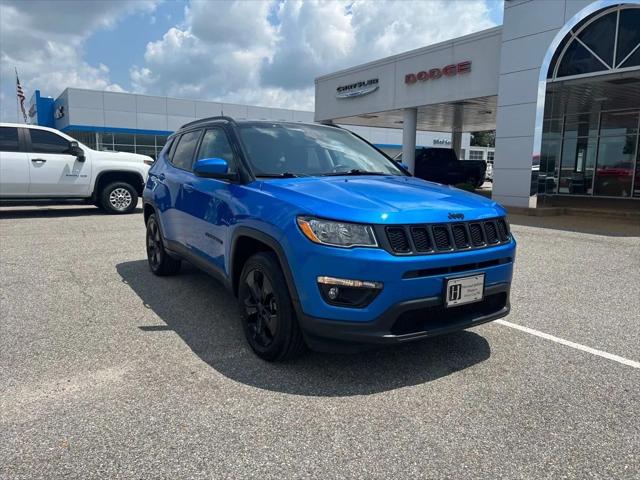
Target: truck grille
column 446, row 237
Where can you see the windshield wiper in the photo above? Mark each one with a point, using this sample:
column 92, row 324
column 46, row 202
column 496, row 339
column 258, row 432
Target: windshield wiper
column 354, row 171
column 279, row 175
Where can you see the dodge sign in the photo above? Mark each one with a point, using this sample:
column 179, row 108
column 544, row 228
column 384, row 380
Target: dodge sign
column 435, row 73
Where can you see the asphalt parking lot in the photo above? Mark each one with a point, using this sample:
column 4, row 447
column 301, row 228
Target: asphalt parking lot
column 109, row 372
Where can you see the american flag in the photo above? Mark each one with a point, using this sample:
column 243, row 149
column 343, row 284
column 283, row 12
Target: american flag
column 21, row 97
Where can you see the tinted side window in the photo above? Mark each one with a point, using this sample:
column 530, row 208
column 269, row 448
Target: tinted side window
column 9, row 139
column 215, row 144
column 48, row 142
column 167, row 148
column 184, row 151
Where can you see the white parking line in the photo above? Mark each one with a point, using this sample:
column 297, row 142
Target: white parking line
column 577, row 346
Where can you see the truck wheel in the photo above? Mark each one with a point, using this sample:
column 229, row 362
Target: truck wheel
column 160, row 262
column 119, row 197
column 269, row 321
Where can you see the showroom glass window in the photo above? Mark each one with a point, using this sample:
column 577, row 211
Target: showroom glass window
column 143, row 144
column 476, row 155
column 605, row 41
column 550, row 155
column 43, row 141
column 591, row 126
column 617, row 153
column 87, row 138
column 578, row 153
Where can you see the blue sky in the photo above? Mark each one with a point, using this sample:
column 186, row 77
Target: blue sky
column 259, row 52
column 134, row 32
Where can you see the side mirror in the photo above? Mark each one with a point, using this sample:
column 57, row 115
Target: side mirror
column 76, row 151
column 213, row 168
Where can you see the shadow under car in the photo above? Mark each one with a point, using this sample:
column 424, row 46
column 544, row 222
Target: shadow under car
column 206, row 317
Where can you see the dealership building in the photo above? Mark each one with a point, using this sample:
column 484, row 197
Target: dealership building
column 559, row 81
column 141, row 123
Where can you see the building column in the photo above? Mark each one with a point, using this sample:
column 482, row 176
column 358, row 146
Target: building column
column 409, row 125
column 456, row 129
column 456, row 143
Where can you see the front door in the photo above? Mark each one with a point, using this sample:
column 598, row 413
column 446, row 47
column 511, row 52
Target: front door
column 14, row 165
column 210, row 201
column 53, row 170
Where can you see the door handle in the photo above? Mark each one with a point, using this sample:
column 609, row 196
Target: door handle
column 188, row 187
column 38, row 160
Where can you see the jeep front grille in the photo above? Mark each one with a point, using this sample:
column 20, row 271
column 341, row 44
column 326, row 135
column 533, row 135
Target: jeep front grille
column 445, row 237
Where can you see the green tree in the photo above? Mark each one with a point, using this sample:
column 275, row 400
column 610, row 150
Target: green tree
column 483, row 139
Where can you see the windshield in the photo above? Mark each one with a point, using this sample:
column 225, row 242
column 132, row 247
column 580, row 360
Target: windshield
column 308, row 150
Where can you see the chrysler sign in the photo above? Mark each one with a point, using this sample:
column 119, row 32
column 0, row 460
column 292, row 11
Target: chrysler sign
column 435, row 73
column 357, row 89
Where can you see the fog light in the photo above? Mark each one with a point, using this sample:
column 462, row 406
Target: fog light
column 348, row 293
column 333, row 293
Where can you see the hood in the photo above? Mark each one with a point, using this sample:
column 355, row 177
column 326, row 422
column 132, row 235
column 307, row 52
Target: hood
column 381, row 200
column 120, row 156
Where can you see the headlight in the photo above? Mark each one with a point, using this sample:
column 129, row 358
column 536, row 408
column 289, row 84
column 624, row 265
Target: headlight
column 337, row 234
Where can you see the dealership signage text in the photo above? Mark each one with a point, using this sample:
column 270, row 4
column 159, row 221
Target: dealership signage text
column 435, row 73
column 357, row 89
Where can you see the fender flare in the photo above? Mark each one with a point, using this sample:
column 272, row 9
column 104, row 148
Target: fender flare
column 96, row 182
column 272, row 243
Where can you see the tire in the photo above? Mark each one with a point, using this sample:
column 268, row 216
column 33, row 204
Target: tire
column 160, row 262
column 263, row 293
column 118, row 198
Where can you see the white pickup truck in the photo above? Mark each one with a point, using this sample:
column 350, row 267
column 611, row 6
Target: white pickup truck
column 44, row 163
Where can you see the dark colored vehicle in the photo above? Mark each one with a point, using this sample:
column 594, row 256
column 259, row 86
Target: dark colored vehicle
column 324, row 240
column 441, row 165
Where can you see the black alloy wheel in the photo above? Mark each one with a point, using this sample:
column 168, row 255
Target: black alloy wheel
column 160, row 262
column 154, row 245
column 260, row 309
column 268, row 318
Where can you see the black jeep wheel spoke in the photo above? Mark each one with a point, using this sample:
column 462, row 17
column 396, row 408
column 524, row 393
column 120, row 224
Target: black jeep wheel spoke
column 260, row 308
column 154, row 245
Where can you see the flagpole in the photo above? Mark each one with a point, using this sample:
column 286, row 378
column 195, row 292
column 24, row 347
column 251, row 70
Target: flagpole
column 17, row 99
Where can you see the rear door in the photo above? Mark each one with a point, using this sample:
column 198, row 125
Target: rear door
column 53, row 170
column 14, row 164
column 177, row 222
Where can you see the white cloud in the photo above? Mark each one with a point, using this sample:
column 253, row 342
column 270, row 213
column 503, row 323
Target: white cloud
column 44, row 41
column 259, row 52
column 268, row 53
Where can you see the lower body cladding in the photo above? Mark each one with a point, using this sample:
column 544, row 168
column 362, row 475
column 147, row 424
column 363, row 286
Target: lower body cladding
column 399, row 299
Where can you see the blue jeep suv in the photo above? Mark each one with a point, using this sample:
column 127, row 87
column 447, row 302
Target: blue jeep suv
column 325, row 241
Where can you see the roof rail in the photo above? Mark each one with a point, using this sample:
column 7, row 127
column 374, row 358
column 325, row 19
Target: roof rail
column 206, row 120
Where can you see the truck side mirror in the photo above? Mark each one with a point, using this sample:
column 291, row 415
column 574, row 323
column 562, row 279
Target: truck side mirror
column 76, row 151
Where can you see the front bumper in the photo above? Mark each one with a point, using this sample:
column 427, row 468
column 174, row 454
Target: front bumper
column 410, row 305
column 407, row 321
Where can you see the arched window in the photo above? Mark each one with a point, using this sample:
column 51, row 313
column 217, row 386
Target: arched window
column 605, row 41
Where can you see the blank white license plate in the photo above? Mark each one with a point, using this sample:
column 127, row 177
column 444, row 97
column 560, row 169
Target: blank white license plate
column 464, row 290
